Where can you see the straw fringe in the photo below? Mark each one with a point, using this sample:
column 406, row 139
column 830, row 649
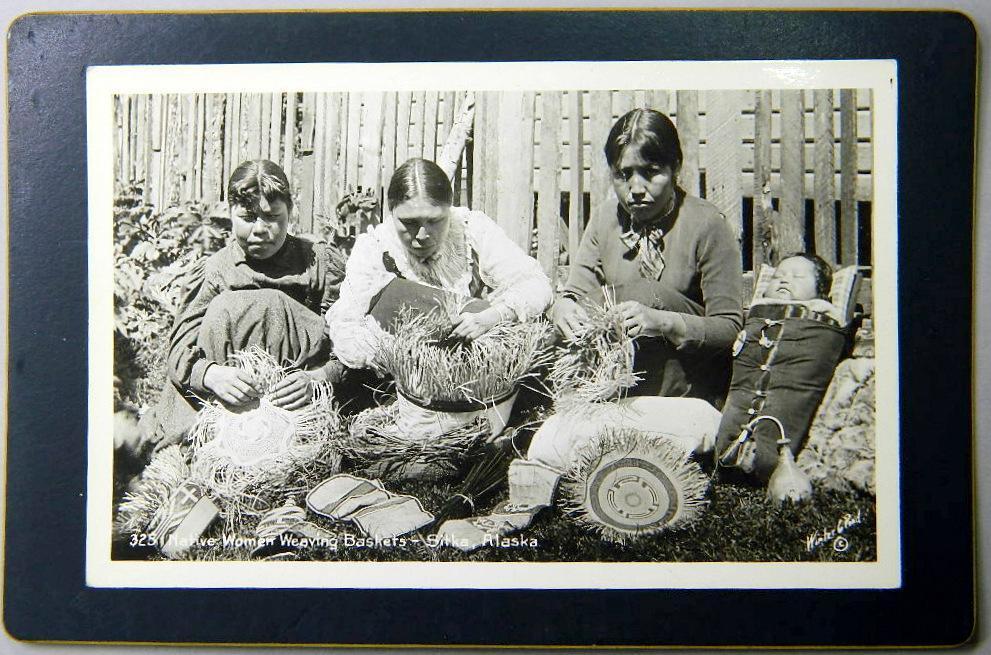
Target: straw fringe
column 426, row 364
column 374, row 441
column 168, row 469
column 228, row 459
column 689, row 483
column 597, row 366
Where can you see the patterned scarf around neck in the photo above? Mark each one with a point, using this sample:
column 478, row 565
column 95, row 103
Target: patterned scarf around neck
column 646, row 242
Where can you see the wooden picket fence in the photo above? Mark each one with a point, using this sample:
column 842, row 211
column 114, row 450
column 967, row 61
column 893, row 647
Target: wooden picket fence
column 790, row 169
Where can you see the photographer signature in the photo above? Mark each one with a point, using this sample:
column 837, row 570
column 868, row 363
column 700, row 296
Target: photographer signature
column 834, row 534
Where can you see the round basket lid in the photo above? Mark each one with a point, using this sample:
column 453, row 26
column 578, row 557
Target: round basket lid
column 631, row 484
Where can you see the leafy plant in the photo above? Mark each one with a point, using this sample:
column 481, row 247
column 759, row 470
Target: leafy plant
column 158, row 258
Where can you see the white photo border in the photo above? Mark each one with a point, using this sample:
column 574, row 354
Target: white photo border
column 103, row 83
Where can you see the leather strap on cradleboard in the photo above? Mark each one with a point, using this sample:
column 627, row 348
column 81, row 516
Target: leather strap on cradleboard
column 780, row 312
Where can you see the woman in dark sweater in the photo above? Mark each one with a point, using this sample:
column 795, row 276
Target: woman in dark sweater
column 672, row 260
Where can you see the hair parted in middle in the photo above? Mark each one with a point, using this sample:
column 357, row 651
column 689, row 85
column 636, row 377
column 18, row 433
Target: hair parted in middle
column 419, row 178
column 256, row 180
column 648, row 130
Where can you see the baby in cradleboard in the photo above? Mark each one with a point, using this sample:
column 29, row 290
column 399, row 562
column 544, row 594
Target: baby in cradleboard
column 784, row 358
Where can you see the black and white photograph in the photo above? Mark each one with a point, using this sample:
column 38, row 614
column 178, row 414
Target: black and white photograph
column 441, row 325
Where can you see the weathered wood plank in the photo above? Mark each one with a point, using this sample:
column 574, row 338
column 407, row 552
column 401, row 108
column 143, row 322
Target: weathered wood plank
column 289, row 134
column 416, row 126
column 123, row 140
column 601, row 196
column 305, row 183
column 275, row 128
column 213, row 156
column 228, row 153
column 687, row 115
column 722, row 177
column 237, row 153
column 389, row 126
column 576, row 179
column 789, row 232
column 825, row 194
column 321, row 128
column 449, row 102
column 144, row 158
column 863, row 191
column 332, row 171
column 513, row 189
column 863, row 120
column 622, row 102
column 173, row 149
column 264, row 122
column 493, row 146
column 251, row 125
column 476, row 161
column 449, row 158
column 659, row 100
column 848, row 177
column 135, row 146
column 763, row 210
column 371, row 142
column 308, row 109
column 354, row 139
column 549, row 192
column 199, row 153
column 403, row 118
column 430, row 108
column 341, row 144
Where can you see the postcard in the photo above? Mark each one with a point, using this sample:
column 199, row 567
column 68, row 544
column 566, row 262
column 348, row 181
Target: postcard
column 528, row 325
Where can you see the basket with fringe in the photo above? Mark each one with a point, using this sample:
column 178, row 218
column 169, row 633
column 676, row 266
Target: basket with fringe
column 438, row 371
column 233, row 451
column 247, row 461
column 627, row 484
column 375, row 443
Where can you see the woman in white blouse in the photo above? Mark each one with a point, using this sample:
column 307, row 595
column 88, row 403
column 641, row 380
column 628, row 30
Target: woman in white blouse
column 424, row 239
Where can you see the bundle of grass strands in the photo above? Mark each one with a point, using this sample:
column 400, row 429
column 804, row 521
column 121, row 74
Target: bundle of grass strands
column 244, row 456
column 451, row 394
column 597, row 366
column 626, row 484
column 141, row 510
column 435, row 369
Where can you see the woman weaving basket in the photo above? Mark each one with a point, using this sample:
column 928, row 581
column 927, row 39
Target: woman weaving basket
column 430, row 258
column 672, row 259
column 266, row 289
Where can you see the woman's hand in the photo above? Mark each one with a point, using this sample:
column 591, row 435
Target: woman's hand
column 293, row 391
column 568, row 317
column 473, row 325
column 231, row 384
column 642, row 321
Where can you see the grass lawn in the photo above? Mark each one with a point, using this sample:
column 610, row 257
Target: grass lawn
column 739, row 525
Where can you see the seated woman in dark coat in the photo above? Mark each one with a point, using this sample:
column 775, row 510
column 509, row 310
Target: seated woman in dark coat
column 267, row 289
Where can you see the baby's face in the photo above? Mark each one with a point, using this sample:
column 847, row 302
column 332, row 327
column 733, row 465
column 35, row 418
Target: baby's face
column 794, row 279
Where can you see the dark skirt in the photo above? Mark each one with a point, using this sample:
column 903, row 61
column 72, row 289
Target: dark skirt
column 236, row 320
